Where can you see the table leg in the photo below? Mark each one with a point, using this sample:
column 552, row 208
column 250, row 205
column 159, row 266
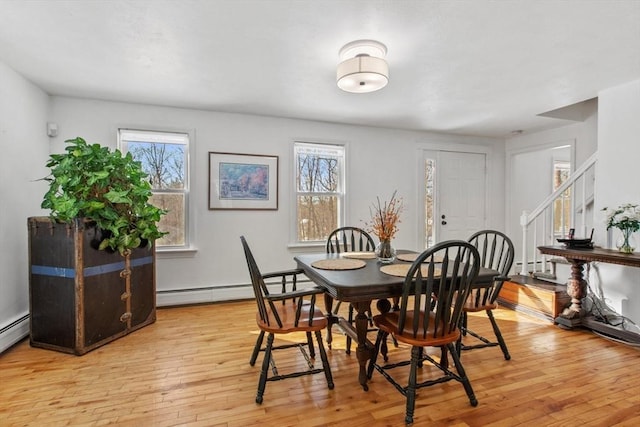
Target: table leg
column 363, row 352
column 577, row 289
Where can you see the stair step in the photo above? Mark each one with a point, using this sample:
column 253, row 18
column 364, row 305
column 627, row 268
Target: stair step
column 542, row 275
column 533, row 296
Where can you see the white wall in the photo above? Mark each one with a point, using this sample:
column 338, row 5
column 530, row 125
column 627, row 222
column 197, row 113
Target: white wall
column 379, row 162
column 617, row 183
column 529, row 167
column 24, row 110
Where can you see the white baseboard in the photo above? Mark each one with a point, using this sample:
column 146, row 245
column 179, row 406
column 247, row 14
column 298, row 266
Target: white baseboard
column 215, row 294
column 14, row 332
column 201, row 296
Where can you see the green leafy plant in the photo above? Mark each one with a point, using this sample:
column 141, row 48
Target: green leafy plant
column 625, row 217
column 108, row 188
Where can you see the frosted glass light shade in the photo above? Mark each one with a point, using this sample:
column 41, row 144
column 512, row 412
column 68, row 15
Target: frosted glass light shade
column 363, row 68
column 362, row 74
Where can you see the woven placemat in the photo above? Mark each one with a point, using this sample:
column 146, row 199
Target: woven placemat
column 401, row 270
column 359, row 255
column 410, row 257
column 338, row 264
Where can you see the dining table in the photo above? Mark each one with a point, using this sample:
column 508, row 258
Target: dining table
column 358, row 279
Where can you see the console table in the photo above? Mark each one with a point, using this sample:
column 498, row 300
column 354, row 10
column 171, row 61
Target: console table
column 577, row 286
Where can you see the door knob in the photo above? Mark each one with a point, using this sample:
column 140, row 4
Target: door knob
column 444, row 223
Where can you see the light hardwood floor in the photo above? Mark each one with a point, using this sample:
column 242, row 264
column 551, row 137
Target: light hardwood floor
column 191, row 368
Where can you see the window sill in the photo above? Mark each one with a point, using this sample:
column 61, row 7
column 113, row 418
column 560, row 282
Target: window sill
column 307, row 247
column 176, row 253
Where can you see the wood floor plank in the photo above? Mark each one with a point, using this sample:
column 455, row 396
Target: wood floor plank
column 191, row 368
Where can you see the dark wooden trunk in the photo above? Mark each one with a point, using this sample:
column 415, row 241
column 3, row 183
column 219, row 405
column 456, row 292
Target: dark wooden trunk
column 81, row 298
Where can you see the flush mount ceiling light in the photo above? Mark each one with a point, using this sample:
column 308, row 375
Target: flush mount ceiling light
column 363, row 68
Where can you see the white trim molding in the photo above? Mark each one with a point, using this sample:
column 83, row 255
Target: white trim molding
column 14, row 332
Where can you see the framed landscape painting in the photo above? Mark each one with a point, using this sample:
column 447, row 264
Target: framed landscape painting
column 243, row 181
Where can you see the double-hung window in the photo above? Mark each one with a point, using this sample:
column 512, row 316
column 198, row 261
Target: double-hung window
column 319, row 184
column 165, row 158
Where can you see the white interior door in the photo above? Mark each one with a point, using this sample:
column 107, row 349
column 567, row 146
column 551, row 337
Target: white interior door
column 460, row 194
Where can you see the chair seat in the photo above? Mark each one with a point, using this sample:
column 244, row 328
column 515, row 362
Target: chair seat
column 287, row 313
column 474, row 302
column 388, row 322
column 471, row 307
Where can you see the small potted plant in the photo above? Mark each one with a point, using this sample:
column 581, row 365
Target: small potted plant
column 92, row 261
column 625, row 218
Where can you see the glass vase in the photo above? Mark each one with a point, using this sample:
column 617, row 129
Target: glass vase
column 385, row 253
column 626, row 243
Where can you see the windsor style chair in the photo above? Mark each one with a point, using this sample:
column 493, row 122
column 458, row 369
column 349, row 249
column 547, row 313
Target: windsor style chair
column 496, row 253
column 435, row 289
column 285, row 313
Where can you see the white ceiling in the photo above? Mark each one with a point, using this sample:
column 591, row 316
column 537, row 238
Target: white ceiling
column 473, row 67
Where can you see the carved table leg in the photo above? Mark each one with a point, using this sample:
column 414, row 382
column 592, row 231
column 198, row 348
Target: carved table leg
column 577, row 289
column 363, row 352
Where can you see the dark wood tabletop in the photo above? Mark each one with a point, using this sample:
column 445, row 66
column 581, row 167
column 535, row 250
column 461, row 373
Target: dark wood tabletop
column 363, row 284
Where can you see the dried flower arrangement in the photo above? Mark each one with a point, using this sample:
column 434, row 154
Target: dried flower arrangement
column 385, row 217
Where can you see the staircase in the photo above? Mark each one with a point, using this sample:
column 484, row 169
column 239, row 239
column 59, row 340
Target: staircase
column 539, row 287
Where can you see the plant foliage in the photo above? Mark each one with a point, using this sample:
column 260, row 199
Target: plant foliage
column 625, row 217
column 90, row 181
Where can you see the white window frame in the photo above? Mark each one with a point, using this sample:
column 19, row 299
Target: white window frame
column 175, row 137
column 340, row 193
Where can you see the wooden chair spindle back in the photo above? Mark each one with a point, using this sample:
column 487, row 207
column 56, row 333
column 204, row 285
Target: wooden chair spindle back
column 438, row 301
column 345, row 239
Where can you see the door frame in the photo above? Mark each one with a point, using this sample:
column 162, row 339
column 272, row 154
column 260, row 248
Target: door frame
column 423, row 150
column 509, row 155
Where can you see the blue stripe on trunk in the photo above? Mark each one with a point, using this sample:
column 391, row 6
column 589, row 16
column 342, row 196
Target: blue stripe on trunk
column 69, row 273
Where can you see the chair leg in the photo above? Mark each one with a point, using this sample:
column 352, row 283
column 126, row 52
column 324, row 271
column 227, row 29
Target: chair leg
column 265, row 368
column 462, row 374
column 328, row 302
column 396, row 304
column 416, row 353
column 498, row 334
column 444, row 356
column 381, row 337
column 394, row 340
column 396, row 307
column 325, row 361
column 256, row 349
column 463, row 330
column 384, row 349
column 350, row 319
column 420, row 357
column 312, row 350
